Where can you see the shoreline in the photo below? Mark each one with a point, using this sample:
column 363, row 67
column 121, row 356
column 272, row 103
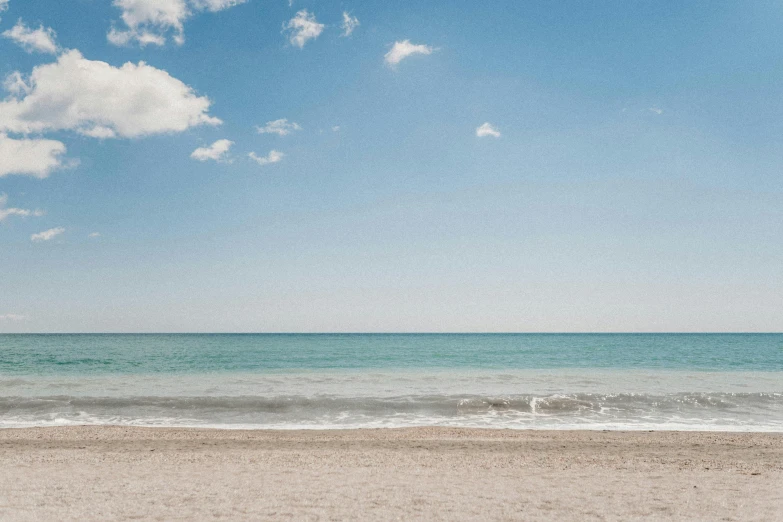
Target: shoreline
column 721, row 430
column 424, row 430
column 99, row 472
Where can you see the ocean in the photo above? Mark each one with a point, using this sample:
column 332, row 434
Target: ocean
column 727, row 382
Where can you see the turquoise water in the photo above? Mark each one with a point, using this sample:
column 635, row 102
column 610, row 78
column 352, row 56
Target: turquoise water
column 193, row 353
column 621, row 381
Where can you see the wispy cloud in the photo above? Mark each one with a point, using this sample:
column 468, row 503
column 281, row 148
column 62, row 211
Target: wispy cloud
column 214, row 6
column 349, row 24
column 656, row 110
column 281, row 127
column 487, row 129
column 149, row 22
column 273, row 157
column 42, row 40
column 302, row 28
column 215, row 152
column 47, row 235
column 12, row 317
column 94, row 234
column 6, row 212
column 404, row 49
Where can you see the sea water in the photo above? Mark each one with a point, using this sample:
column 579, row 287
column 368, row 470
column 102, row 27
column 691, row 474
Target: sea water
column 728, row 382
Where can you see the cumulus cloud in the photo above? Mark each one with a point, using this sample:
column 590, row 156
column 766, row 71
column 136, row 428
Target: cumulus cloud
column 30, row 157
column 404, row 49
column 302, row 28
column 281, row 127
column 46, row 235
column 349, row 24
column 273, row 157
column 487, row 129
column 149, row 22
column 96, row 99
column 11, row 211
column 42, row 40
column 3, row 6
column 216, row 152
column 12, row 317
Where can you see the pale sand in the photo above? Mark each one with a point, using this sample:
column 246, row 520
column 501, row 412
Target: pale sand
column 83, row 473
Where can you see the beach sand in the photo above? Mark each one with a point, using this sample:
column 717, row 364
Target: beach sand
column 98, row 473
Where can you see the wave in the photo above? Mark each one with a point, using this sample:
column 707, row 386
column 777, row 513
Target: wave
column 727, row 411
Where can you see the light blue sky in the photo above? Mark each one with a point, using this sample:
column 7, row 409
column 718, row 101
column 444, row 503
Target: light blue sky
column 637, row 183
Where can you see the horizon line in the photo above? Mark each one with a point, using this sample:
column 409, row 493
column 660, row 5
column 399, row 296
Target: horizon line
column 412, row 333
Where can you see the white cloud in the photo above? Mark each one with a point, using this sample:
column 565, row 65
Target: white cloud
column 3, row 6
column 303, row 27
column 46, row 235
column 94, row 234
column 656, row 110
column 349, row 24
column 281, row 127
column 214, row 6
column 99, row 100
column 403, row 49
column 99, row 132
column 150, row 21
column 487, row 129
column 336, row 128
column 273, row 157
column 12, row 317
column 10, row 211
column 42, row 40
column 30, row 157
column 216, row 152
column 123, row 38
column 15, row 84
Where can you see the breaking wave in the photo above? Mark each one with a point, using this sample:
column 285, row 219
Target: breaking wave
column 702, row 411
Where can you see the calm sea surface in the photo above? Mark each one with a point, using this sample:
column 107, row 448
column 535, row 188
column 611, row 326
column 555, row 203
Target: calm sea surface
column 553, row 381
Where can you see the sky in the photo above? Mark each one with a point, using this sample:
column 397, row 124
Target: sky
column 368, row 166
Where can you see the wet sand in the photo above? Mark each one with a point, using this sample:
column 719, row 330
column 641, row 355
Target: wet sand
column 99, row 473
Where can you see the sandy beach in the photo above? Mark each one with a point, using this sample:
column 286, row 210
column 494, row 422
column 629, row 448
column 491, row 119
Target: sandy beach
column 93, row 473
